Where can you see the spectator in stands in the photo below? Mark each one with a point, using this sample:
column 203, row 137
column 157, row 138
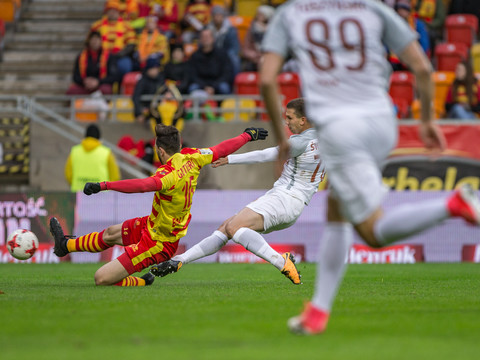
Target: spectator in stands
column 129, row 11
column 176, row 70
column 251, row 52
column 195, row 18
column 152, row 79
column 226, row 36
column 404, row 9
column 152, row 43
column 463, row 98
column 118, row 37
column 167, row 13
column 94, row 69
column 210, row 68
column 90, row 161
column 433, row 13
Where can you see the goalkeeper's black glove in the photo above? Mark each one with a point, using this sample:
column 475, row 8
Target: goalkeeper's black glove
column 91, row 188
column 256, row 133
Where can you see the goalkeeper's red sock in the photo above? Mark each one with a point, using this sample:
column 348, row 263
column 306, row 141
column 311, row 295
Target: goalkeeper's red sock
column 92, row 242
column 131, row 281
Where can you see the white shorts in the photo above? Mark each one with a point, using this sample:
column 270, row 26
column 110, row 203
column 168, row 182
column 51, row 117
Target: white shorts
column 279, row 210
column 354, row 150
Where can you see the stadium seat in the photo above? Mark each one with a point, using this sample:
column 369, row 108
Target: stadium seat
column 448, row 55
column 243, row 104
column 461, row 28
column 442, row 80
column 246, row 83
column 248, row 7
column 241, row 23
column 8, row 10
column 402, row 88
column 124, row 110
column 129, row 81
column 402, row 107
column 289, row 84
column 81, row 114
column 438, row 109
column 209, row 110
column 475, row 53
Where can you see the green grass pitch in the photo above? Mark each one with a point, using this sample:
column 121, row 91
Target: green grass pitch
column 238, row 311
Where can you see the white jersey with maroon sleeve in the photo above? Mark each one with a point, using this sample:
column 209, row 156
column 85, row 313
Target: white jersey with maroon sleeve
column 301, row 174
column 339, row 45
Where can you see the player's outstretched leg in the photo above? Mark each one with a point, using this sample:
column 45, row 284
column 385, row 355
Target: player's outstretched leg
column 167, row 267
column 310, row 322
column 290, row 270
column 60, row 247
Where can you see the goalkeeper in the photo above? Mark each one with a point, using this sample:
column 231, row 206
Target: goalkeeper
column 151, row 239
column 278, row 209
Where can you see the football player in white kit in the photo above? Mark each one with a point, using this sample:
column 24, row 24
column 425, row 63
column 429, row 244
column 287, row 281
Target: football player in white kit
column 278, row 209
column 339, row 48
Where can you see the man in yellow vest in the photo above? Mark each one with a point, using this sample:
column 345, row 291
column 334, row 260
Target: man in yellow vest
column 90, row 161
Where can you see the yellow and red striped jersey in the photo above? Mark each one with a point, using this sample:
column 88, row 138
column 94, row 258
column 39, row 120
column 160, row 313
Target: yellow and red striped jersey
column 170, row 214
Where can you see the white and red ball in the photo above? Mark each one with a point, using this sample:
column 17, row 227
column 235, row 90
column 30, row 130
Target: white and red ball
column 22, row 244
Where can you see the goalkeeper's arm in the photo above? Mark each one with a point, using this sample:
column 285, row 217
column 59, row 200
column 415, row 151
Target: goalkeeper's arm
column 152, row 183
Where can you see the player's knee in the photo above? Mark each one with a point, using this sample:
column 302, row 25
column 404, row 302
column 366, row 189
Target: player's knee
column 109, row 236
column 230, row 229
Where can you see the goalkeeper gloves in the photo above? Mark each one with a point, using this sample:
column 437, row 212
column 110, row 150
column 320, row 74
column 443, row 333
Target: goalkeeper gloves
column 256, row 133
column 91, row 188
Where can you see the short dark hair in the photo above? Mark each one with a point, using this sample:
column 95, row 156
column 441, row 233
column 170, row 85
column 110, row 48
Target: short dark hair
column 92, row 34
column 298, row 105
column 168, row 138
column 93, row 131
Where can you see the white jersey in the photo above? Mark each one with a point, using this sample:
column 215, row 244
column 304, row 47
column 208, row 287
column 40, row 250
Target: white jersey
column 301, row 174
column 340, row 49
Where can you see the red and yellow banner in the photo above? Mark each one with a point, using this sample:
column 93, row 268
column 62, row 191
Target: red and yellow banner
column 412, row 167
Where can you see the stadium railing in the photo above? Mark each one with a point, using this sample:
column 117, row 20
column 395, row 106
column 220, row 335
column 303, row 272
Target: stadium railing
column 67, row 129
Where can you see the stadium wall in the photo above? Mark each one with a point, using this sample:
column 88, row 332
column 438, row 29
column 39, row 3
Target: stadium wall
column 452, row 241
column 211, row 207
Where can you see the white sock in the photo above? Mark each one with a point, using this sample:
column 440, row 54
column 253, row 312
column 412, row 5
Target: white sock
column 208, row 246
column 255, row 243
column 336, row 242
column 410, row 219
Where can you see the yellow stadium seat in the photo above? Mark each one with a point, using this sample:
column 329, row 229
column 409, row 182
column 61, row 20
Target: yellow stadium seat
column 442, row 81
column 81, row 115
column 475, row 52
column 248, row 7
column 8, row 9
column 438, row 109
column 124, row 110
column 242, row 24
column 243, row 104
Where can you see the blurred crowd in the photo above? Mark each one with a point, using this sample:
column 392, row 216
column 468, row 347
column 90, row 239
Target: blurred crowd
column 200, row 47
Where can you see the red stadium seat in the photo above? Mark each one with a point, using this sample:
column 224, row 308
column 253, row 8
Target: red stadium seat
column 129, row 81
column 448, row 55
column 461, row 28
column 402, row 88
column 403, row 109
column 246, row 83
column 289, row 84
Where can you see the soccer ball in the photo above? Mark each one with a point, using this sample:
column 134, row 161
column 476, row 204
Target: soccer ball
column 22, row 244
